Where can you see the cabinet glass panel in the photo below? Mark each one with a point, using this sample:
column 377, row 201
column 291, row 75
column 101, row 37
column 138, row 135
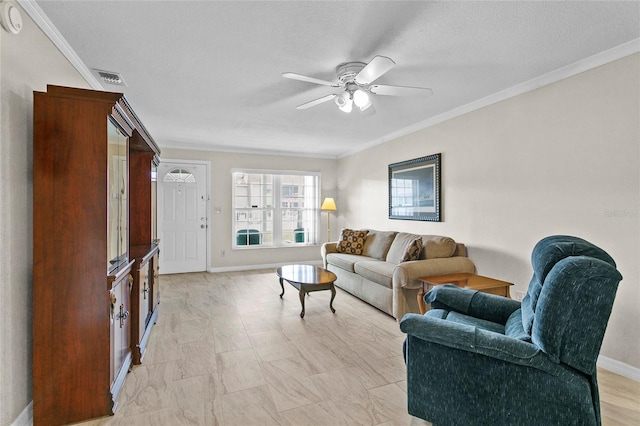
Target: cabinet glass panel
column 117, row 233
column 154, row 203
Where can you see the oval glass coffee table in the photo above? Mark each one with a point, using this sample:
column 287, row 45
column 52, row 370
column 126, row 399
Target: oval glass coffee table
column 307, row 278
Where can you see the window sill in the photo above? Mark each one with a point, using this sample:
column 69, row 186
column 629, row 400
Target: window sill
column 284, row 246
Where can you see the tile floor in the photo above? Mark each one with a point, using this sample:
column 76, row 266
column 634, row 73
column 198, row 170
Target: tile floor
column 228, row 351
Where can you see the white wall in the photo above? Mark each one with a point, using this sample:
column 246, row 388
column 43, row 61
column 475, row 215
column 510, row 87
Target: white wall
column 220, row 224
column 28, row 62
column 563, row 159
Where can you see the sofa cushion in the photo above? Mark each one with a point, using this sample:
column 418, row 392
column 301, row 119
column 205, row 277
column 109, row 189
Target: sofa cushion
column 378, row 243
column 352, row 241
column 378, row 271
column 345, row 261
column 437, row 247
column 413, row 251
column 399, row 246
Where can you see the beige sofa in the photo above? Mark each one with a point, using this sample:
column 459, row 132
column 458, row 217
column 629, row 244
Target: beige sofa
column 380, row 278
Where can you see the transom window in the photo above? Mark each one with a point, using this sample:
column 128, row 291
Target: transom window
column 275, row 209
column 179, row 175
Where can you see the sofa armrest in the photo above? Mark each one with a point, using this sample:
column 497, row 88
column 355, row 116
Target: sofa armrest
column 406, row 274
column 327, row 248
column 485, row 306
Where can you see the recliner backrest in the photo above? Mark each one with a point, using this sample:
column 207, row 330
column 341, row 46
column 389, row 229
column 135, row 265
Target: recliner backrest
column 569, row 300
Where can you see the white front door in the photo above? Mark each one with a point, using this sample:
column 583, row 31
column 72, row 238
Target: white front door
column 182, row 219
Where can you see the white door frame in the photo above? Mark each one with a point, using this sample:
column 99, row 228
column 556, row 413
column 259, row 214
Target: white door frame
column 207, row 164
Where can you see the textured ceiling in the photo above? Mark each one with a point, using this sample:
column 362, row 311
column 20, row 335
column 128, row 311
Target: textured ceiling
column 207, row 74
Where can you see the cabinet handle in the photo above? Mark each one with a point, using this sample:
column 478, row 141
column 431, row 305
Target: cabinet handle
column 130, row 283
column 113, row 299
column 123, row 315
column 145, row 290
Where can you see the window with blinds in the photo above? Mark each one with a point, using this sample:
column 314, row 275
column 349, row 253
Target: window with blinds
column 275, row 209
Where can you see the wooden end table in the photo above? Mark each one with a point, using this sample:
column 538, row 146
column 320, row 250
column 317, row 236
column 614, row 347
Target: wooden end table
column 464, row 280
column 307, row 278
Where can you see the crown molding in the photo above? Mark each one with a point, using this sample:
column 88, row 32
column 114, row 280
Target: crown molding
column 42, row 21
column 222, row 148
column 602, row 58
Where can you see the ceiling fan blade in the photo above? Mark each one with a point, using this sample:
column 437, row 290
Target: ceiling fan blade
column 316, row 102
column 300, row 77
column 374, row 69
column 379, row 89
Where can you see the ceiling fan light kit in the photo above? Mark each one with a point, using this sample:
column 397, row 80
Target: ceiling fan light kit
column 343, row 101
column 360, row 98
column 355, row 79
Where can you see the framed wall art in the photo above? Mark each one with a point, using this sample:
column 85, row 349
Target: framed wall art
column 414, row 189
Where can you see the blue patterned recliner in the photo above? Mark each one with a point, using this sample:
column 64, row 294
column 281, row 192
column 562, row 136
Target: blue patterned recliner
column 481, row 359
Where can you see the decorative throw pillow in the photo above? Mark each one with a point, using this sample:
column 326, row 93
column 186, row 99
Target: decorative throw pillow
column 351, row 241
column 413, row 250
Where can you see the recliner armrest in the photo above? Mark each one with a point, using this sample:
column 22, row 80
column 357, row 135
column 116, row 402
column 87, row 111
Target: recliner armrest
column 472, row 339
column 485, row 306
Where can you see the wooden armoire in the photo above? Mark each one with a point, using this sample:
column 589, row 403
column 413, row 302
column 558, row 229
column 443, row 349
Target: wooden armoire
column 95, row 252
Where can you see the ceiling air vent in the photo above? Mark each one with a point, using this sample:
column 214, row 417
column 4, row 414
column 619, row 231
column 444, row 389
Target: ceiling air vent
column 110, row 77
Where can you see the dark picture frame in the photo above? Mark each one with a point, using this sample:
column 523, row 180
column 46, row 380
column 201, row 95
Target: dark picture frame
column 414, row 189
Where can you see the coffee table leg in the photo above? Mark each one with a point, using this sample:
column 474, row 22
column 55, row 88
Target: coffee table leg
column 281, row 285
column 333, row 296
column 301, row 293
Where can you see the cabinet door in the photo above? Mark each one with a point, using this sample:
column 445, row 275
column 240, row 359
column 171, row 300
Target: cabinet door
column 144, row 299
column 120, row 331
column 155, row 286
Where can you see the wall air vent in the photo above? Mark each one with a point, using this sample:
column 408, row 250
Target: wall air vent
column 110, row 77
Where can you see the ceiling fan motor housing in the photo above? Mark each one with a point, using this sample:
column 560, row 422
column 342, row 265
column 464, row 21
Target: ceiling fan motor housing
column 347, row 72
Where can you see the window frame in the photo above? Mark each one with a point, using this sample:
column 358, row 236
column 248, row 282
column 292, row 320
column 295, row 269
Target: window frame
column 276, row 210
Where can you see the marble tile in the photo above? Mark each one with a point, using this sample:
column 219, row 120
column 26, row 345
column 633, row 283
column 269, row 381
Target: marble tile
column 391, row 403
column 227, row 351
column 230, row 338
column 199, row 358
column 249, row 407
column 310, row 415
column 271, row 345
column 619, row 399
column 239, row 370
column 316, row 353
column 147, row 389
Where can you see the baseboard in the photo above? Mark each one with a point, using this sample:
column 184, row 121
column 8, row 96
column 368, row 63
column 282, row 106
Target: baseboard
column 620, row 368
column 263, row 266
column 25, row 418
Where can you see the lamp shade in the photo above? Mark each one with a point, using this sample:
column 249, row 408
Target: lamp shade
column 328, row 204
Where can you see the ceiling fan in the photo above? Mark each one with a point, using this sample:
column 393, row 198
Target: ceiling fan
column 355, row 78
